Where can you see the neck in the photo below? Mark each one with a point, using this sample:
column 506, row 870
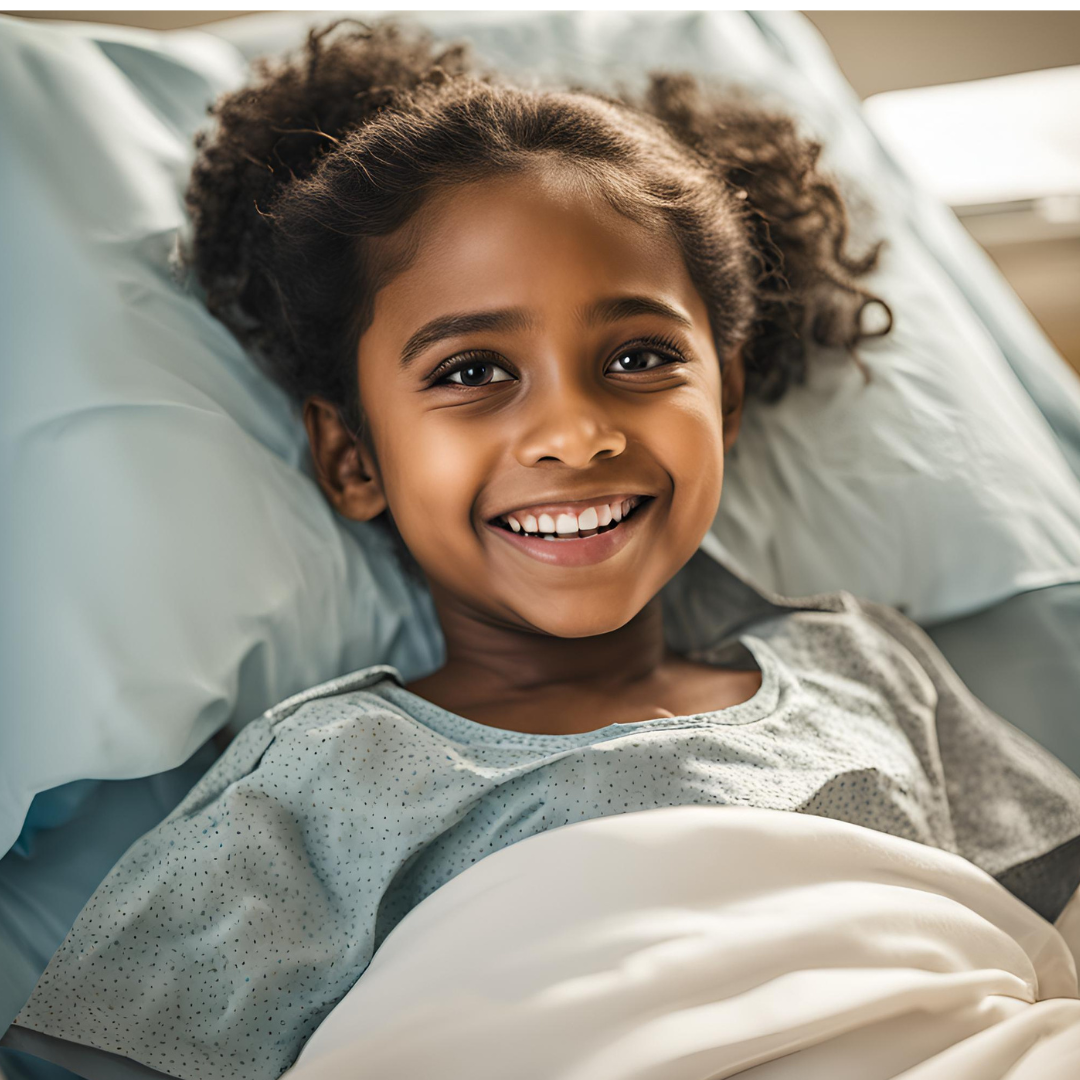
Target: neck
column 497, row 662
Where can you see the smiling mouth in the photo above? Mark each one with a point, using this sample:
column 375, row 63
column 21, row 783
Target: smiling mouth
column 581, row 534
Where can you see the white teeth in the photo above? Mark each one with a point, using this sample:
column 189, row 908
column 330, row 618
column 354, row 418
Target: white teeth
column 565, row 525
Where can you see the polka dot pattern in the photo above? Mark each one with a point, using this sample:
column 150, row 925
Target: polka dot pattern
column 225, row 935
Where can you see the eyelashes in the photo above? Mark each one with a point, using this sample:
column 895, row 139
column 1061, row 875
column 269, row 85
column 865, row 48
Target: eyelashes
column 660, row 344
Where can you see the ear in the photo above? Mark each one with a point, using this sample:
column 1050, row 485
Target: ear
column 732, row 387
column 346, row 469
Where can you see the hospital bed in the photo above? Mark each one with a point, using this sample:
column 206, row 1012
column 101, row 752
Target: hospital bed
column 104, row 338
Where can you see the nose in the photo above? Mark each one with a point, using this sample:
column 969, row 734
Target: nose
column 571, row 425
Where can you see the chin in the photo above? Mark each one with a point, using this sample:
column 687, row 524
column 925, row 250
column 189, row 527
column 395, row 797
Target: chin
column 572, row 622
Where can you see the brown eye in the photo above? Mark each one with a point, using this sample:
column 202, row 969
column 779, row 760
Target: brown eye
column 476, row 373
column 630, row 361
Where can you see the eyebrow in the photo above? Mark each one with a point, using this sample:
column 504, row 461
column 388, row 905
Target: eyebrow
column 608, row 310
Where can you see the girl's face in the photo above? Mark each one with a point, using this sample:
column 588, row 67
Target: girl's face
column 547, row 297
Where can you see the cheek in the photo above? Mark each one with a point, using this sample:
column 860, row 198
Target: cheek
column 441, row 467
column 690, row 444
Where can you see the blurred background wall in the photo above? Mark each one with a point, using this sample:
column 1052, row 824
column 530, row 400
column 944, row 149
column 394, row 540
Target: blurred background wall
column 882, row 51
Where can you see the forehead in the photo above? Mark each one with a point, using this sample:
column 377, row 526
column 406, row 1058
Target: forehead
column 545, row 242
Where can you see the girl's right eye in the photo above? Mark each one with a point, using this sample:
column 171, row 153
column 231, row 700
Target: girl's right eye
column 473, row 373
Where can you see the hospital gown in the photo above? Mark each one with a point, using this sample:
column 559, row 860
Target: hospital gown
column 225, row 935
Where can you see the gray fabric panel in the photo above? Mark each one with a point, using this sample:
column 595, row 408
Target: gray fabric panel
column 1046, row 883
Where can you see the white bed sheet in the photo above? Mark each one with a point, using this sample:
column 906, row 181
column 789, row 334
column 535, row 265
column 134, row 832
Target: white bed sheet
column 706, row 942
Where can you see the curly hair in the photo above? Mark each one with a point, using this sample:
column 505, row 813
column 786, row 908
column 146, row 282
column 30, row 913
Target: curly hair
column 345, row 140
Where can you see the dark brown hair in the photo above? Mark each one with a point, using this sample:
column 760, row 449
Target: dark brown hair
column 345, row 140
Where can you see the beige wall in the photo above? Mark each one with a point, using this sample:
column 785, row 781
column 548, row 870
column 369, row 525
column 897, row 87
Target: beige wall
column 892, row 50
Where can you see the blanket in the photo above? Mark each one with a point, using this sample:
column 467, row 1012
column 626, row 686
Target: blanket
column 695, row 943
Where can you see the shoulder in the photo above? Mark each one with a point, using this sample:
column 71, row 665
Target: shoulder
column 857, row 639
column 292, row 746
column 354, row 681
column 337, row 704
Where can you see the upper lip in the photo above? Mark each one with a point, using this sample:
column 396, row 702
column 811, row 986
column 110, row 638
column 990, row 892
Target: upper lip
column 575, row 506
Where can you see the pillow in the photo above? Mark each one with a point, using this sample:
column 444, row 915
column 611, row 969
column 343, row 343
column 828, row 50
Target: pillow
column 937, row 487
column 170, row 566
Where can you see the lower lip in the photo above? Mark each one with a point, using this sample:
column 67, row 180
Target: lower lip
column 580, row 551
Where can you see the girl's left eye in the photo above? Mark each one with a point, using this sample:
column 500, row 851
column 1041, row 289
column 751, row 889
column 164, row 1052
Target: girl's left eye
column 630, row 354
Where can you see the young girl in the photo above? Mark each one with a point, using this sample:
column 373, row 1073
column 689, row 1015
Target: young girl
column 522, row 326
